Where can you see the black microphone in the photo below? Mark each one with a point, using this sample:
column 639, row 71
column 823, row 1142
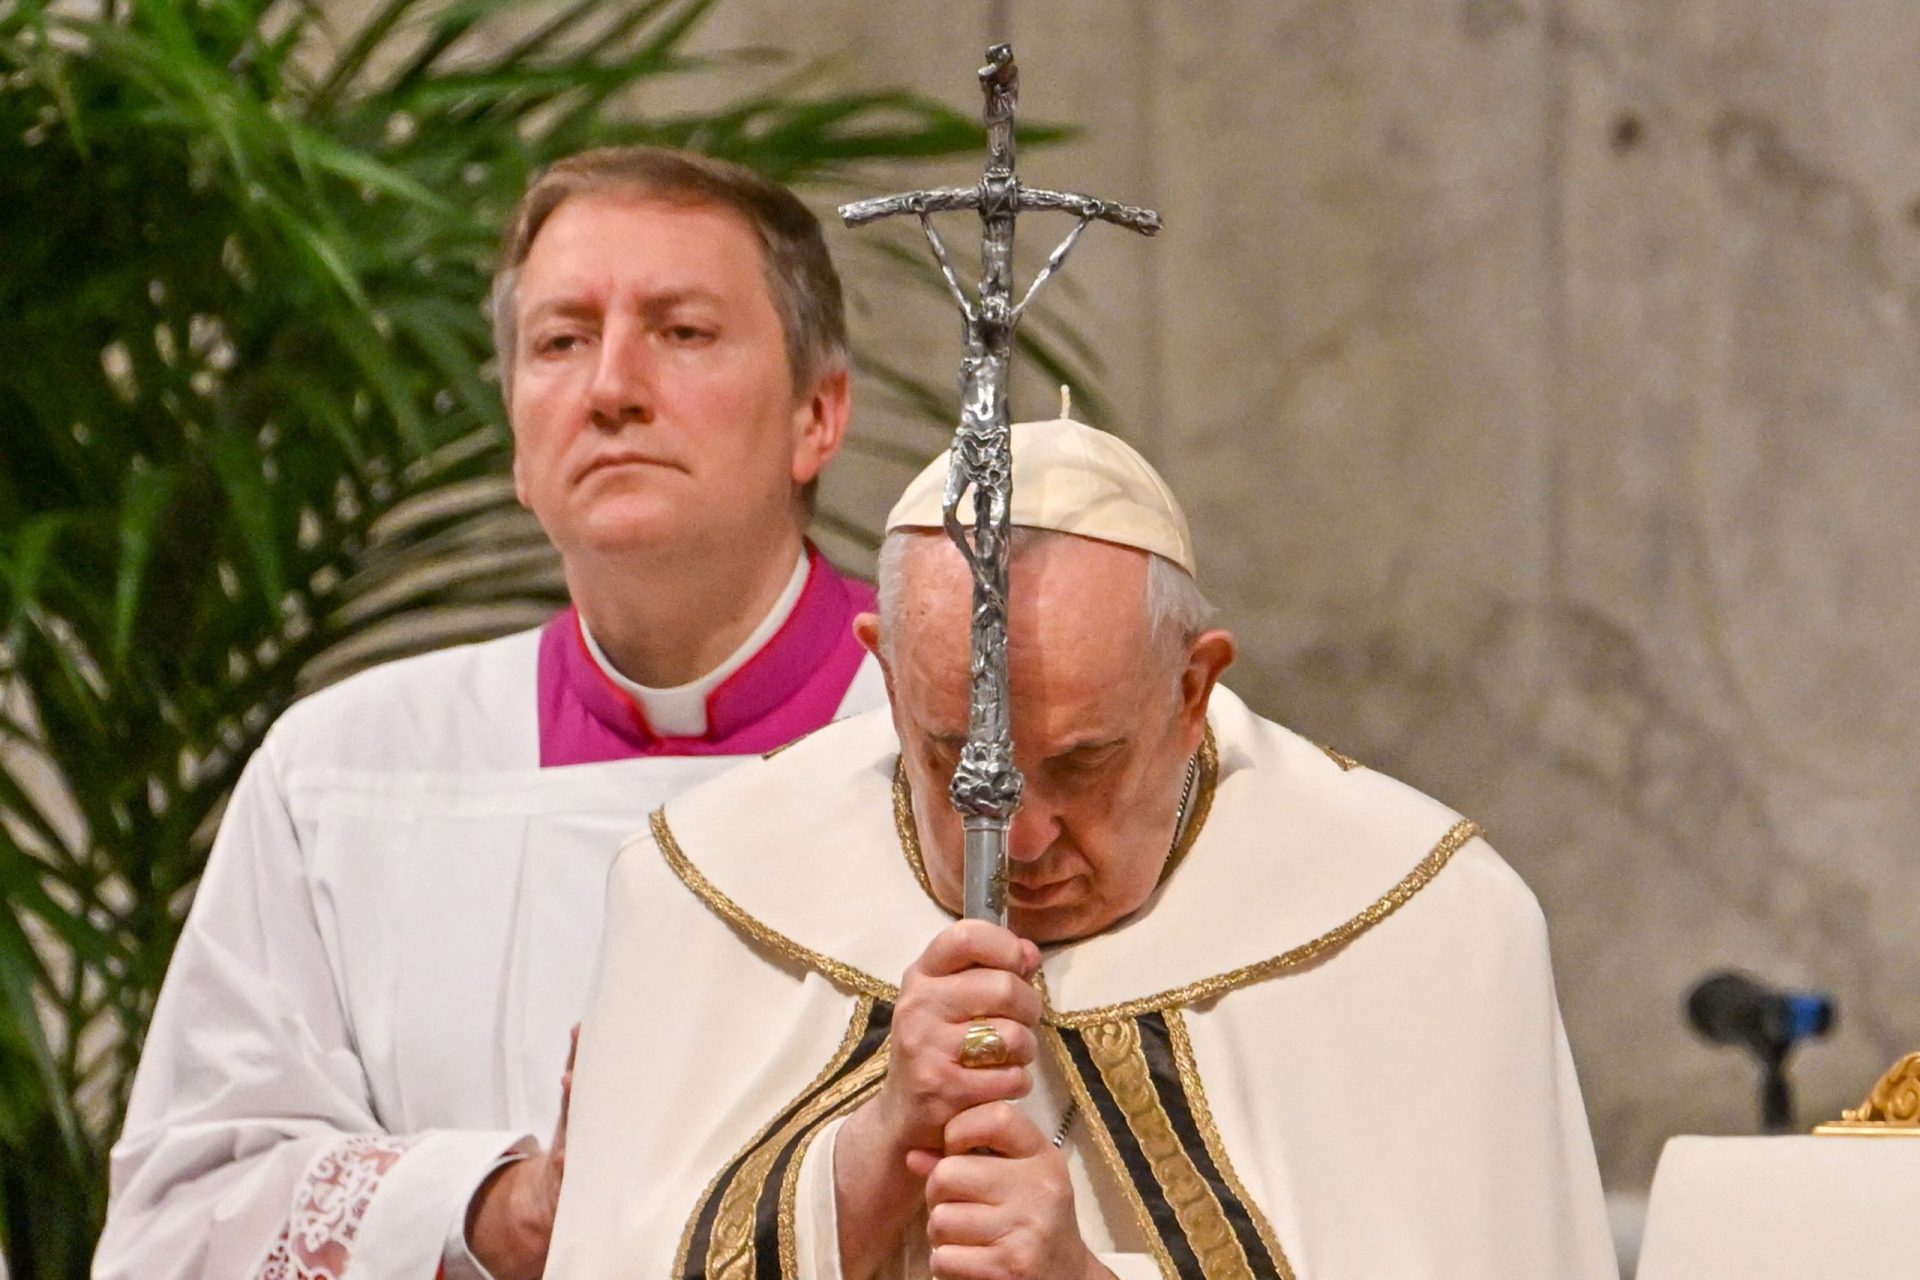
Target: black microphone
column 1732, row 1008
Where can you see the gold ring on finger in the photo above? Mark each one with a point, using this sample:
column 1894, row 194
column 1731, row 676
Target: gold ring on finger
column 983, row 1046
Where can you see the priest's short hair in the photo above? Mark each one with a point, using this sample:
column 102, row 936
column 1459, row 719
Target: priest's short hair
column 800, row 273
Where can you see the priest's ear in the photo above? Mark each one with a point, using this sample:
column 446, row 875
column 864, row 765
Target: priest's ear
column 820, row 425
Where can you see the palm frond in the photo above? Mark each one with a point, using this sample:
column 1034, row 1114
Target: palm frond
column 251, row 450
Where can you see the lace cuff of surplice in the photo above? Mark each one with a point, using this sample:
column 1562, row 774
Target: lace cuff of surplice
column 360, row 1205
column 329, row 1204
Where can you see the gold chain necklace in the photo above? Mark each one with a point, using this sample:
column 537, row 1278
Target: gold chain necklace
column 1196, row 801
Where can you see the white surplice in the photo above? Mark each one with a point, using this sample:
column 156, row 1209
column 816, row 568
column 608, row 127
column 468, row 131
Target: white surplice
column 1361, row 986
column 375, row 987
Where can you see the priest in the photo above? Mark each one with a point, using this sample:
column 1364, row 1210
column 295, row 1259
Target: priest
column 357, row 1055
column 1260, row 1011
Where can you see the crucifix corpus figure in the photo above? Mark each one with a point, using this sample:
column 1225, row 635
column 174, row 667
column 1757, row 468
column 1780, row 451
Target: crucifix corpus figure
column 986, row 784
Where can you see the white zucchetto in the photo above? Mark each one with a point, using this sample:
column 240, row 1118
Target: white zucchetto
column 1070, row 478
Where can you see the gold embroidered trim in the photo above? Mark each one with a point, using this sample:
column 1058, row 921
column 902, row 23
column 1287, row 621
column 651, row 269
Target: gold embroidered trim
column 768, row 755
column 1206, row 776
column 1210, row 1134
column 905, row 828
column 1220, row 984
column 730, row 1251
column 1346, row 762
column 856, row 1029
column 1122, row 1062
column 729, row 910
column 790, row 1183
column 789, row 1202
column 1193, row 993
column 1109, row 1153
column 1203, row 785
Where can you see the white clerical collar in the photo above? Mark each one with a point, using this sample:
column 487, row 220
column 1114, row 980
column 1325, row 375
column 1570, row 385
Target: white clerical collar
column 681, row 712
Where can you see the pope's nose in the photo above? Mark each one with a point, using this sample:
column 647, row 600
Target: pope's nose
column 1036, row 826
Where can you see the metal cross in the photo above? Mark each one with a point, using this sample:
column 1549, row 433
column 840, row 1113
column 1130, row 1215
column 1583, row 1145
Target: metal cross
column 987, row 784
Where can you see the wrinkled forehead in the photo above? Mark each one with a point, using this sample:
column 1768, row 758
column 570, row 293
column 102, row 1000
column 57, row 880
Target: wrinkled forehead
column 601, row 242
column 1078, row 625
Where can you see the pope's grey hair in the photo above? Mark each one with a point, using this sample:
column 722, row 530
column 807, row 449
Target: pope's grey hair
column 1177, row 610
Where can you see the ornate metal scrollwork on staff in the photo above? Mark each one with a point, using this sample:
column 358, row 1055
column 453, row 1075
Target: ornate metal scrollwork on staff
column 987, row 785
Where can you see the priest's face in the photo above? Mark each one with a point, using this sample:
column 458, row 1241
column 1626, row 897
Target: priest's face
column 1105, row 718
column 653, row 403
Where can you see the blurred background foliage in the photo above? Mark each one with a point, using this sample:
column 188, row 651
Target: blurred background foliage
column 250, row 443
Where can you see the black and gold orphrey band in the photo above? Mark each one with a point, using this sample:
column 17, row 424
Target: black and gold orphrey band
column 744, row 1225
column 1134, row 1078
column 1131, row 1070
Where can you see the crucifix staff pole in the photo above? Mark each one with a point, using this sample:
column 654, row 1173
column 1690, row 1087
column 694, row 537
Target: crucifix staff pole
column 987, row 784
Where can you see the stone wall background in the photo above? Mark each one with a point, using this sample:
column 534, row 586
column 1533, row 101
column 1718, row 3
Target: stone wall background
column 1540, row 377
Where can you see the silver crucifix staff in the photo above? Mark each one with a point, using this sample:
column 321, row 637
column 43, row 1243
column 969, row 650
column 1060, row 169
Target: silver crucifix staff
column 986, row 785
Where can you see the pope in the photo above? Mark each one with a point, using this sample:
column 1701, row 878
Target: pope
column 1259, row 1010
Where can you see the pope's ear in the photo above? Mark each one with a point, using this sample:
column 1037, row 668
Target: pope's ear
column 1208, row 658
column 866, row 629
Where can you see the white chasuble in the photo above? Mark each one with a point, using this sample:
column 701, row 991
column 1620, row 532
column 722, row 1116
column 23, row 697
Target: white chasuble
column 1327, row 1047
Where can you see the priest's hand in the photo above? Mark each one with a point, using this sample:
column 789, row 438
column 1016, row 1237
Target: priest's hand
column 973, row 972
column 1000, row 1204
column 510, row 1218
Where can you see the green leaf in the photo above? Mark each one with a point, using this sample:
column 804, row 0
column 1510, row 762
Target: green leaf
column 149, row 491
column 317, row 149
column 923, row 398
column 27, row 553
column 541, row 38
column 19, row 966
column 447, row 334
column 25, row 894
column 253, row 510
column 674, row 33
column 49, row 67
column 367, row 41
column 80, row 691
column 450, row 25
column 323, row 248
column 19, row 872
column 1043, row 354
column 364, row 344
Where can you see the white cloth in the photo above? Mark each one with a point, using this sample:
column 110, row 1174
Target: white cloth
column 1784, row 1209
column 374, row 989
column 681, row 711
column 1405, row 1106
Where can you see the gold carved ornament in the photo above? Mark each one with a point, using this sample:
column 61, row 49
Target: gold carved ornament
column 1891, row 1110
